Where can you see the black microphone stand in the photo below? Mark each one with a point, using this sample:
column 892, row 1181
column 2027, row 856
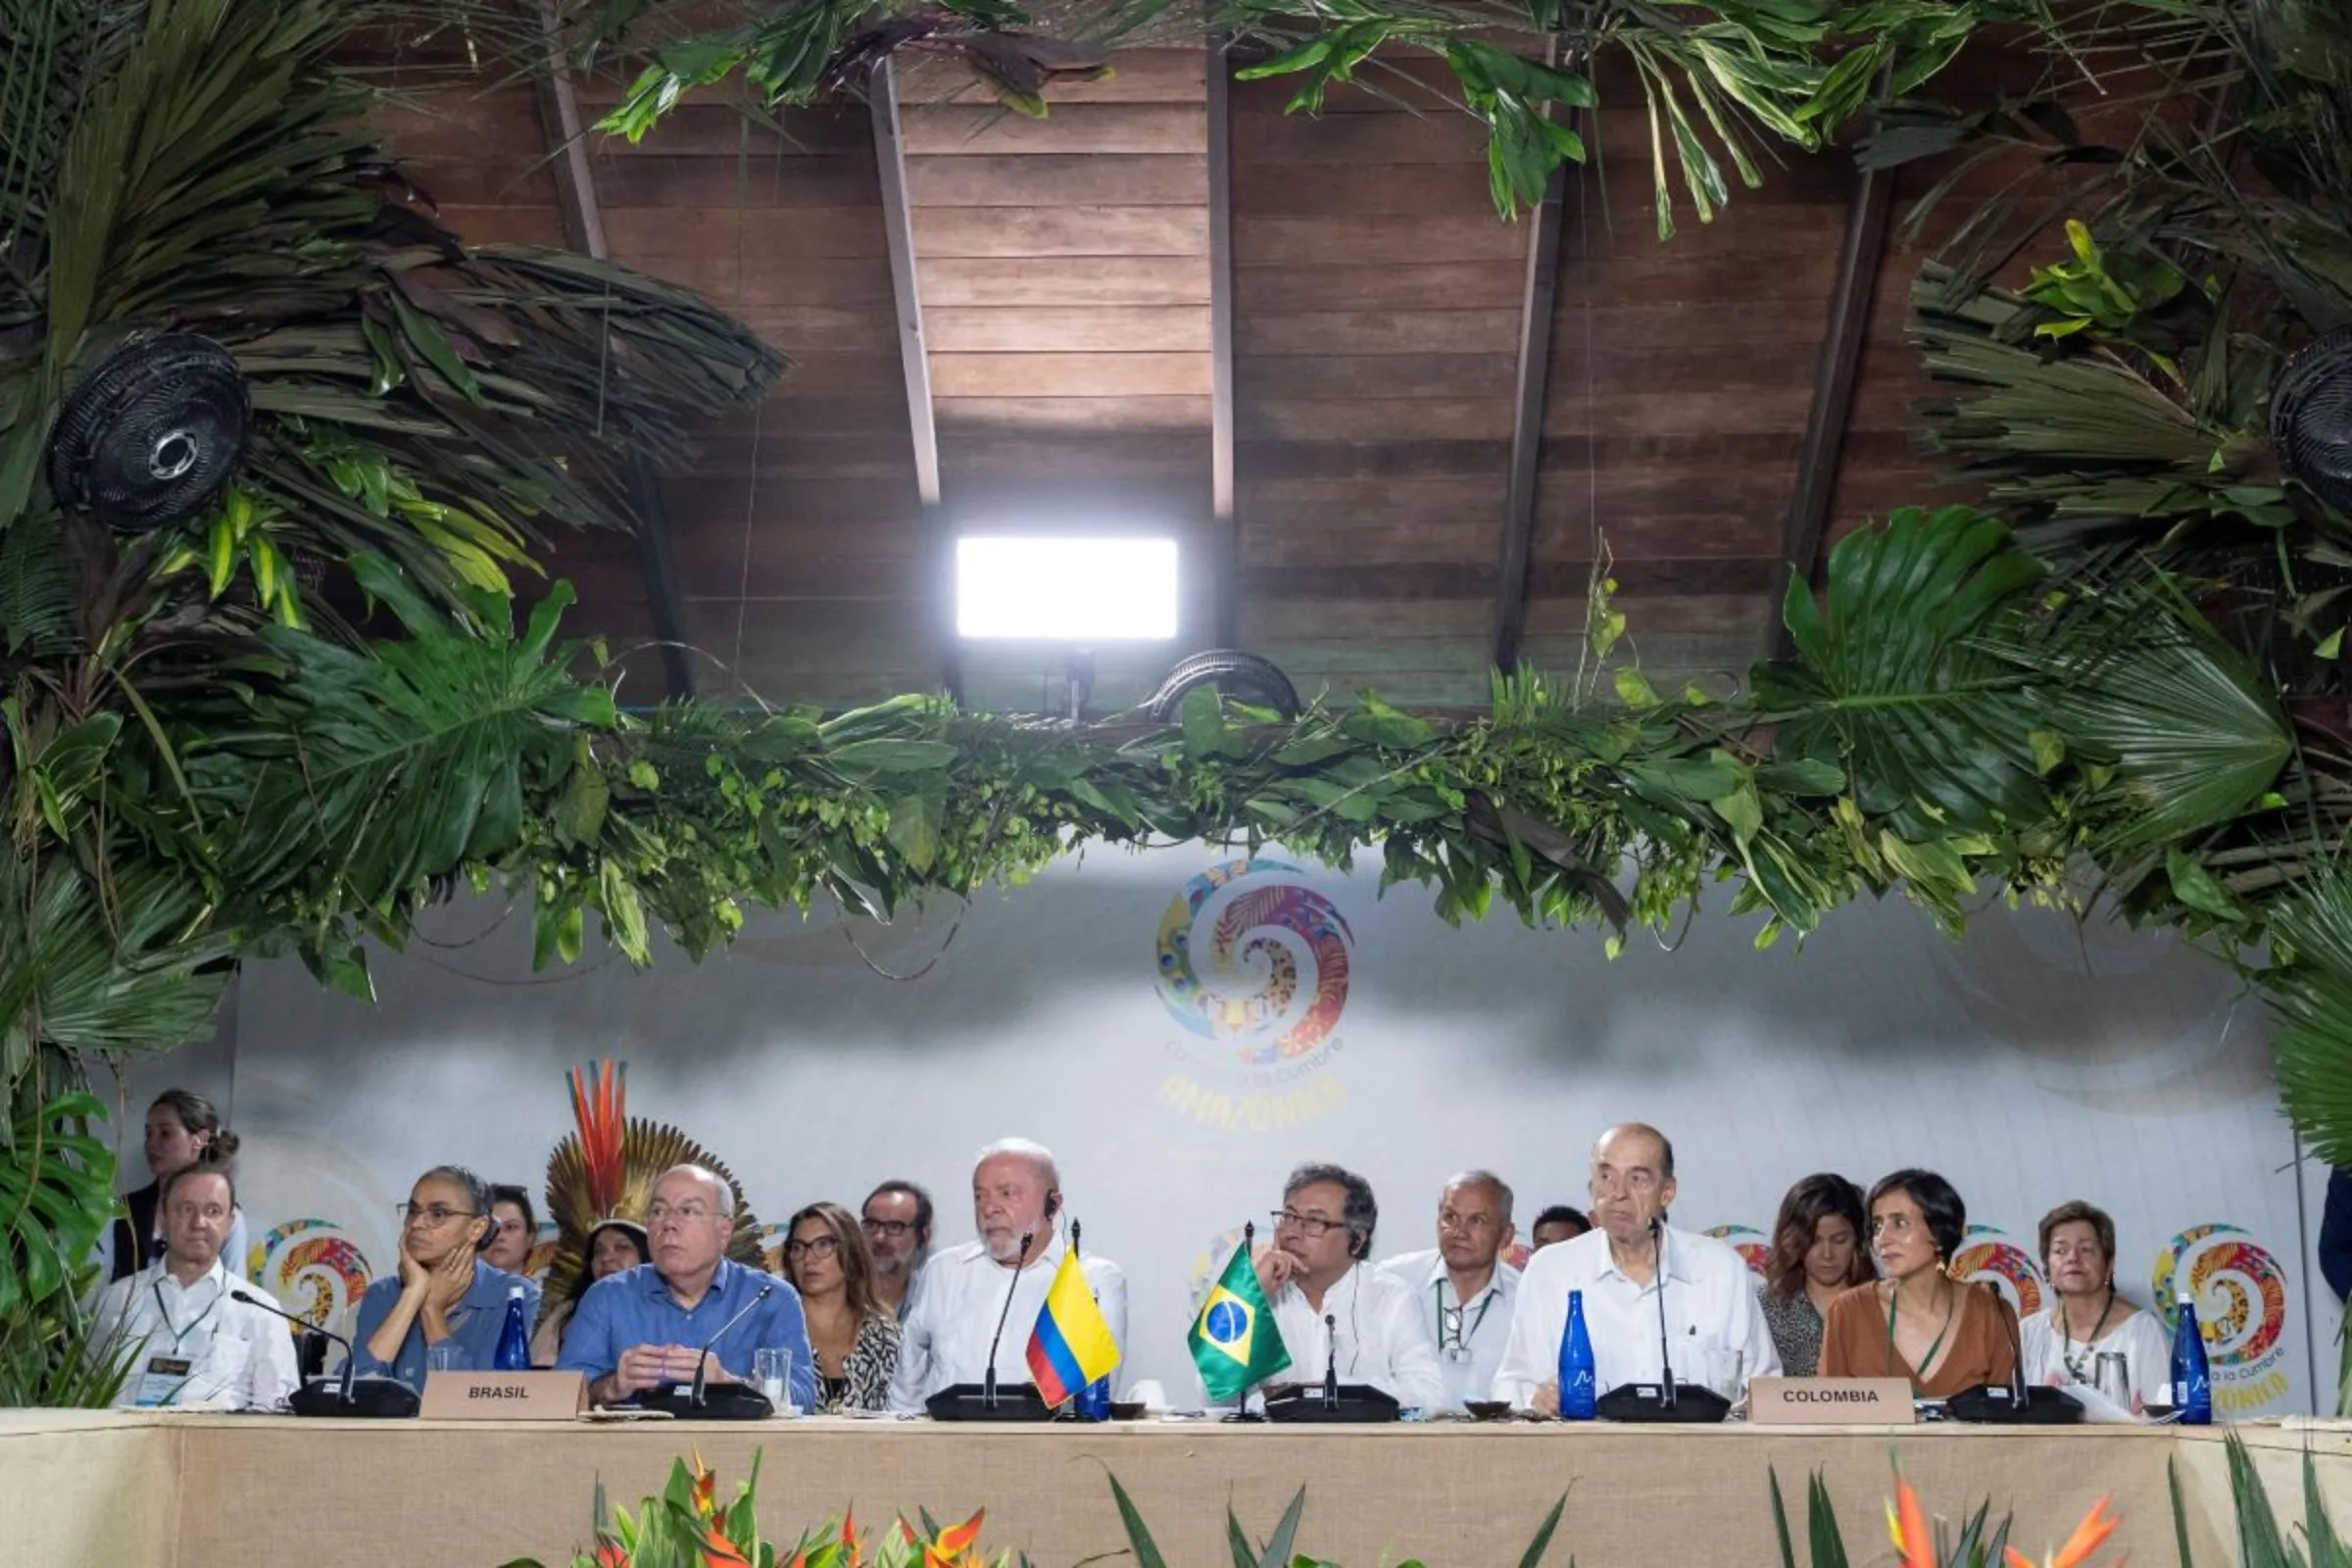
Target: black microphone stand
column 1688, row 1404
column 379, row 1398
column 966, row 1401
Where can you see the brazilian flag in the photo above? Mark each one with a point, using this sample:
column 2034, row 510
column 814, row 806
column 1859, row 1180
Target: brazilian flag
column 1233, row 1340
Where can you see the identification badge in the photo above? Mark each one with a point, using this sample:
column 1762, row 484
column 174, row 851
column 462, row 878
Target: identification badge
column 165, row 1376
column 1457, row 1355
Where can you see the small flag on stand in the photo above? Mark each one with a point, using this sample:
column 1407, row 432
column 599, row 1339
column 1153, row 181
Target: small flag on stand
column 1071, row 1346
column 1233, row 1340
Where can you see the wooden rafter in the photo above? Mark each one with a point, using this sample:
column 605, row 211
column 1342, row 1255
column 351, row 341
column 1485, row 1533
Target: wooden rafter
column 1860, row 259
column 559, row 122
column 1547, row 228
column 1225, row 524
column 914, row 356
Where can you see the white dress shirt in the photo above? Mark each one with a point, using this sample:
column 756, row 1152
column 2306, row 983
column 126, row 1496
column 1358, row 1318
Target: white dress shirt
column 1710, row 1313
column 2146, row 1350
column 1374, row 1338
column 1465, row 1337
column 239, row 1357
column 946, row 1336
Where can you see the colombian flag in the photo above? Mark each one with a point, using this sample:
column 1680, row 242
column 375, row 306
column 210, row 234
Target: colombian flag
column 1071, row 1346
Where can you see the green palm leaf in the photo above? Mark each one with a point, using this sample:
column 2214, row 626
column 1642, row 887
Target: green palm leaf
column 1897, row 679
column 2310, row 990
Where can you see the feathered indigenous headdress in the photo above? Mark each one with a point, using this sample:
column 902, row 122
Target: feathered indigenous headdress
column 607, row 1171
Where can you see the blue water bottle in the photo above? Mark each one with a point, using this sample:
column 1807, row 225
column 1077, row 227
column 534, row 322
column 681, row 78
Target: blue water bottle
column 1094, row 1400
column 1578, row 1378
column 2192, row 1377
column 514, row 1339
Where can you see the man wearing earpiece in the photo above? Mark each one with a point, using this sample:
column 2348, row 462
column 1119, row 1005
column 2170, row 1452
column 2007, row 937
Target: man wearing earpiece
column 1017, row 1210
column 1334, row 1310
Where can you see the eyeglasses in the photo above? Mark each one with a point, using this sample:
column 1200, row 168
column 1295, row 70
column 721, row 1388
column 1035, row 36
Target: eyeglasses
column 435, row 1215
column 658, row 1213
column 1308, row 1223
column 822, row 1246
column 892, row 1228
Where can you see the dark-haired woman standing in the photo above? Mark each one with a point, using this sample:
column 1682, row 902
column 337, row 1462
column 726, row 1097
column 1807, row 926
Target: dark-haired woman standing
column 1918, row 1322
column 1817, row 1257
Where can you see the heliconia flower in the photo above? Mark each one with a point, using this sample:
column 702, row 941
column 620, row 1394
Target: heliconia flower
column 1907, row 1524
column 851, row 1556
column 959, row 1537
column 612, row 1553
column 720, row 1552
column 706, row 1482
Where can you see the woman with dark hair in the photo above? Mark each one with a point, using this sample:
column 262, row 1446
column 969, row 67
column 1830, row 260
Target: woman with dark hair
column 1918, row 1322
column 2063, row 1345
column 182, row 1130
column 514, row 1230
column 444, row 1291
column 1817, row 1257
column 852, row 1335
column 614, row 1245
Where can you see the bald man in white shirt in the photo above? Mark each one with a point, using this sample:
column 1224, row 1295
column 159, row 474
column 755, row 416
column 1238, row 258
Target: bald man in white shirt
column 1016, row 1201
column 1709, row 1303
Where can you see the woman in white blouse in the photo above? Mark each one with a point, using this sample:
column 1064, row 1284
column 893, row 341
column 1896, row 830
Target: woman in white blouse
column 2063, row 1345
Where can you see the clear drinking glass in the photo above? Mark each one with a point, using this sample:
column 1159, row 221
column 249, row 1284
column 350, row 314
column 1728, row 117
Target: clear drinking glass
column 771, row 1371
column 447, row 1357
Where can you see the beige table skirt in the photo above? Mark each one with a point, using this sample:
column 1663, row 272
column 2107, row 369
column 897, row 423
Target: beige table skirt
column 221, row 1492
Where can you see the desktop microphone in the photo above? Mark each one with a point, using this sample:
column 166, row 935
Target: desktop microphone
column 701, row 1358
column 381, row 1401
column 1657, row 1241
column 2015, row 1401
column 1331, row 1359
column 988, row 1382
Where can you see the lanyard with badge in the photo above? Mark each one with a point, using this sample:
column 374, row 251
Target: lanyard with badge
column 1459, row 1351
column 167, row 1374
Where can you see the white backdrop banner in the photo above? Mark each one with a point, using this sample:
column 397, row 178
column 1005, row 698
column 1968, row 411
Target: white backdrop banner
column 1182, row 1026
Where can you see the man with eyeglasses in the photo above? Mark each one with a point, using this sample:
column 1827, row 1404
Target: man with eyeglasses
column 897, row 1221
column 1462, row 1290
column 1332, row 1311
column 1711, row 1318
column 648, row 1327
column 1016, row 1198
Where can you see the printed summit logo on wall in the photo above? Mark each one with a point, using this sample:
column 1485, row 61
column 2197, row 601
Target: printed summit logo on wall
column 2240, row 1293
column 1988, row 1255
column 1253, row 964
column 312, row 1267
column 1755, row 1249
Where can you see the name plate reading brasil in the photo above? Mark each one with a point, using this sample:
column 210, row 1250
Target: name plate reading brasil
column 1830, row 1402
column 504, row 1397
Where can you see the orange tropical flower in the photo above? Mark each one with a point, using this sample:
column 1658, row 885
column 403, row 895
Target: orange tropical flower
column 851, row 1556
column 705, row 1481
column 611, row 1555
column 2091, row 1534
column 1907, row 1523
column 720, row 1552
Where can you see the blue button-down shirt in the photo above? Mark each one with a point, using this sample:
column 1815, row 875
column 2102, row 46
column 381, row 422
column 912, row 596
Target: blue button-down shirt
column 474, row 1323
column 635, row 1307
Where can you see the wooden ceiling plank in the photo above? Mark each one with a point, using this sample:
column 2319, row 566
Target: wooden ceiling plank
column 565, row 129
column 897, row 220
column 1225, row 559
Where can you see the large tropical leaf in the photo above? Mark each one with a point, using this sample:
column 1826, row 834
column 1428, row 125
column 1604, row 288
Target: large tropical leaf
column 2310, row 991
column 56, row 1197
column 1898, row 679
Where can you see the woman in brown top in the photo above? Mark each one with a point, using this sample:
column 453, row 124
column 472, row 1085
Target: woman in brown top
column 1918, row 1322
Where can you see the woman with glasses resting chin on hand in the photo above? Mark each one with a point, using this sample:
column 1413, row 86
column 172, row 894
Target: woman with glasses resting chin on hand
column 852, row 1335
column 444, row 1291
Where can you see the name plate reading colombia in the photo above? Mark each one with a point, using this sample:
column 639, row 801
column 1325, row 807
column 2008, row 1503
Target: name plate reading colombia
column 504, row 1397
column 1830, row 1402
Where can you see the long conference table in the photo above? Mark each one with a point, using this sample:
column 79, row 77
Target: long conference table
column 193, row 1491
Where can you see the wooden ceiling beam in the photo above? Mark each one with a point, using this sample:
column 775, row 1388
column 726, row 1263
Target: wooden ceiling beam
column 1545, row 230
column 915, row 357
column 1225, row 535
column 1860, row 256
column 565, row 132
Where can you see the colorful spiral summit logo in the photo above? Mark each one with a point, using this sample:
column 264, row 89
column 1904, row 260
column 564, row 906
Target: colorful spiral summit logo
column 1252, row 963
column 2240, row 1293
column 313, row 1269
column 1749, row 1243
column 1988, row 1255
